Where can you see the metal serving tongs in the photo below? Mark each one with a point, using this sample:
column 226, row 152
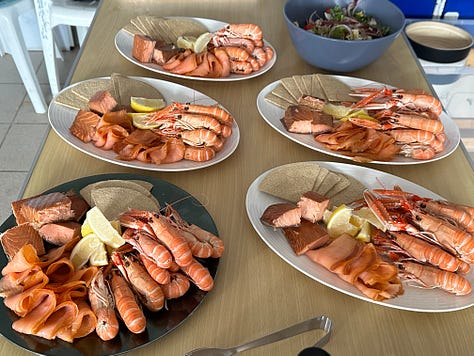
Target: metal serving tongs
column 320, row 322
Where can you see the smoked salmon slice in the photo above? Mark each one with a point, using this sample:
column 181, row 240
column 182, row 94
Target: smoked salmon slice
column 358, row 263
column 63, row 315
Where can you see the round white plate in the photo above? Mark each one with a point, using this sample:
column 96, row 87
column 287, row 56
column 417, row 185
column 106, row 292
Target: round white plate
column 414, row 299
column 124, row 44
column 273, row 115
column 61, row 118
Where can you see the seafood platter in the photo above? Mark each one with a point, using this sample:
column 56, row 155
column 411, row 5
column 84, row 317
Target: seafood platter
column 198, row 49
column 368, row 234
column 182, row 130
column 358, row 119
column 63, row 248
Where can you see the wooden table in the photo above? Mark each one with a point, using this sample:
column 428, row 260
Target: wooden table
column 255, row 291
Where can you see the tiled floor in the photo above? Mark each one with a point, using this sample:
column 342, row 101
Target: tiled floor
column 21, row 129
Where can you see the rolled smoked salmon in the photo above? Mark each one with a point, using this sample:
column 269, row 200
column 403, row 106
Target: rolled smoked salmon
column 358, row 263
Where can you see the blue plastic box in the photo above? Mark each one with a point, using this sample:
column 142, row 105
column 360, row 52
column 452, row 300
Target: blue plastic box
column 424, row 8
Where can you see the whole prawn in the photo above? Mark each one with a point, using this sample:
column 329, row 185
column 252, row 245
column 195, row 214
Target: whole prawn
column 450, row 236
column 177, row 286
column 103, row 306
column 199, row 275
column 456, row 213
column 148, row 290
column 432, row 277
column 146, row 244
column 203, row 242
column 420, row 250
column 126, row 303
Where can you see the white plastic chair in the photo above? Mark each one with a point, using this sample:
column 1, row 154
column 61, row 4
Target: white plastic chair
column 12, row 42
column 52, row 13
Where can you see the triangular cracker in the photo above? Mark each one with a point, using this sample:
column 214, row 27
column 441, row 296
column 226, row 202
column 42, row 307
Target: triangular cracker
column 290, row 181
column 334, row 89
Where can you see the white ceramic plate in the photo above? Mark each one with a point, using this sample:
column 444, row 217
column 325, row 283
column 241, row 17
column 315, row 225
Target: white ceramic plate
column 414, row 299
column 61, row 118
column 124, row 44
column 273, row 115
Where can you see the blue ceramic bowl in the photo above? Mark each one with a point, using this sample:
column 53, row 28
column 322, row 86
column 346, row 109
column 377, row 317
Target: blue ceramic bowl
column 341, row 55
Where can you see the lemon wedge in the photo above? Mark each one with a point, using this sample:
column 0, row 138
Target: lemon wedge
column 186, row 42
column 84, row 249
column 337, row 111
column 99, row 256
column 340, row 222
column 360, row 114
column 117, row 226
column 140, row 120
column 141, row 105
column 102, row 227
column 365, row 232
column 367, row 214
column 200, row 45
column 86, row 229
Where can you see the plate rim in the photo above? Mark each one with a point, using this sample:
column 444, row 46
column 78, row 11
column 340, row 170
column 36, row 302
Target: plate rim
column 122, row 33
column 253, row 194
column 262, row 104
column 181, row 166
column 62, row 346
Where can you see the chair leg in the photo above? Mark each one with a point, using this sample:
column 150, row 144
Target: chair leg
column 81, row 34
column 47, row 41
column 16, row 47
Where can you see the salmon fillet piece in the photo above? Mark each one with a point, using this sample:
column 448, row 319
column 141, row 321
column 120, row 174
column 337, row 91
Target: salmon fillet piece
column 306, row 236
column 16, row 237
column 281, row 215
column 163, row 52
column 60, row 233
column 102, row 102
column 143, row 48
column 312, row 206
column 84, row 125
column 312, row 102
column 304, row 120
column 78, row 205
column 43, row 209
